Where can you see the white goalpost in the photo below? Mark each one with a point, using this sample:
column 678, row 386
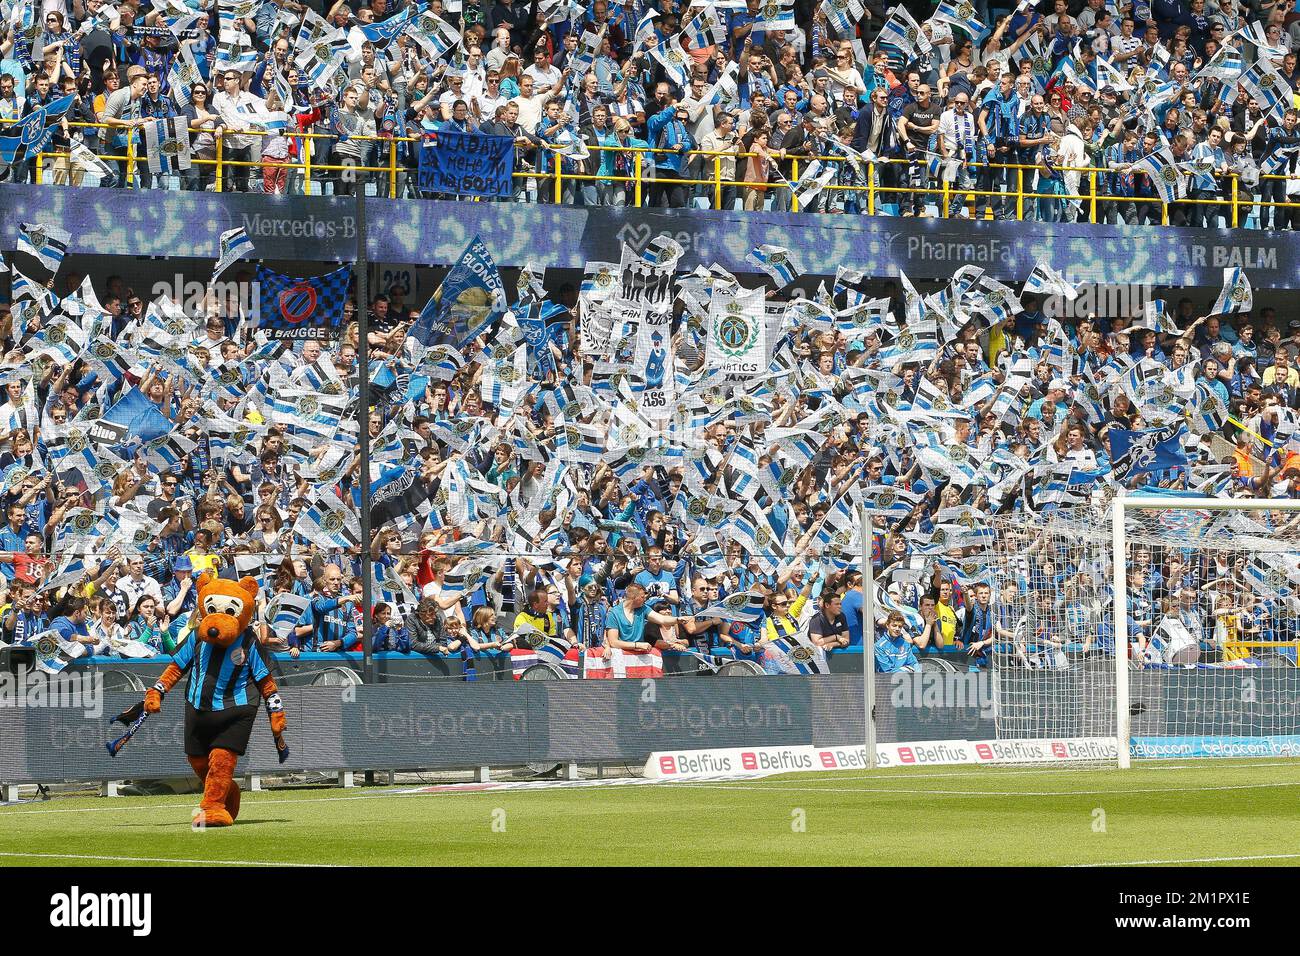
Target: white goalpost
column 1170, row 630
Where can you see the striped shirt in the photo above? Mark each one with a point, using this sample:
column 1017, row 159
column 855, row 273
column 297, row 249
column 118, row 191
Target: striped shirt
column 219, row 677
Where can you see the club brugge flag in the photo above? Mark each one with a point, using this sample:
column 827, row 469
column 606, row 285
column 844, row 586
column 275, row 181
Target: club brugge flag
column 311, row 308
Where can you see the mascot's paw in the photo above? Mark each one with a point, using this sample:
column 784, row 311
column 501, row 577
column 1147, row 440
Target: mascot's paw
column 277, row 722
column 210, row 816
column 215, row 810
column 152, row 701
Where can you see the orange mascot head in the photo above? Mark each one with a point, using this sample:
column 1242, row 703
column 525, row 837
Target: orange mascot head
column 226, row 608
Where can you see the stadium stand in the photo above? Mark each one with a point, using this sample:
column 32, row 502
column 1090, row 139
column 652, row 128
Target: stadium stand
column 1165, row 112
column 579, row 461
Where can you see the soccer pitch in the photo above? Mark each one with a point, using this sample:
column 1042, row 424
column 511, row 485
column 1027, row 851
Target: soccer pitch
column 1203, row 812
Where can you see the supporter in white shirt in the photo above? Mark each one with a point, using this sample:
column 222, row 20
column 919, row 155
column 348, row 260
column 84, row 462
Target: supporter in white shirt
column 543, row 73
column 531, row 101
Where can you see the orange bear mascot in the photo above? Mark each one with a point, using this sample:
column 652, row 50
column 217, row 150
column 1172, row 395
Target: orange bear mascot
column 223, row 661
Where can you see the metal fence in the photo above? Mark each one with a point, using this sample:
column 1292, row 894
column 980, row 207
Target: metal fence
column 313, row 173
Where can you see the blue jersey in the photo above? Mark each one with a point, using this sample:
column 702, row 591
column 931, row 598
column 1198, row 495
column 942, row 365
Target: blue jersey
column 220, row 677
column 894, row 655
column 330, row 620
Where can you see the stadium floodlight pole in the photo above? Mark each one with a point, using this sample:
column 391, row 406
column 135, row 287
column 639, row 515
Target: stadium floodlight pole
column 868, row 640
column 363, row 438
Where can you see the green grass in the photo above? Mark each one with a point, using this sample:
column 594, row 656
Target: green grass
column 979, row 816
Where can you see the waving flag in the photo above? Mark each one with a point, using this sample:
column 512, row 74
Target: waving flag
column 32, row 134
column 1163, row 170
column 775, row 15
column 843, row 15
column 815, row 177
column 233, row 244
column 1267, row 87
column 471, row 298
column 707, row 28
column 1045, row 280
column 1236, row 294
column 903, row 32
column 49, row 244
column 328, row 523
column 776, row 262
column 1150, row 449
column 312, row 308
column 961, row 14
column 385, row 31
column 674, row 60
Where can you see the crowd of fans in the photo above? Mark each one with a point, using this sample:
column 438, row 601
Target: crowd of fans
column 1050, row 87
column 940, row 426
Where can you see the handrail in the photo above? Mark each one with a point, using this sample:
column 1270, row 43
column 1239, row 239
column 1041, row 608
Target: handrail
column 946, row 194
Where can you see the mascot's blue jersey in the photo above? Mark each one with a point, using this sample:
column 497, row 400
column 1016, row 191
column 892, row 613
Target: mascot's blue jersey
column 220, row 677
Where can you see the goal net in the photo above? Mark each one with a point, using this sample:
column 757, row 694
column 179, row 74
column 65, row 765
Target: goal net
column 1166, row 623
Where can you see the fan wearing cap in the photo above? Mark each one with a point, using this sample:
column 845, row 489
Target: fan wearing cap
column 1058, row 393
column 179, row 596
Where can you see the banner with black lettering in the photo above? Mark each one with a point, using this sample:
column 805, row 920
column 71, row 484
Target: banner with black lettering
column 467, row 164
column 737, row 341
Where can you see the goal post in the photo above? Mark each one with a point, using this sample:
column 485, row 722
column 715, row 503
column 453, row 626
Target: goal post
column 1144, row 626
column 1211, row 667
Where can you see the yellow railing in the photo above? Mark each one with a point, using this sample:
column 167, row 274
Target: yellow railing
column 947, row 197
column 1235, row 650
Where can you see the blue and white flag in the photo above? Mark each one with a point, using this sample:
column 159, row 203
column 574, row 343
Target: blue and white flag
column 903, row 32
column 233, row 244
column 167, row 144
column 1267, row 87
column 1236, row 295
column 775, row 15
column 49, row 244
column 384, row 32
column 329, row 523
column 707, row 28
column 674, row 60
column 32, row 134
column 1165, row 176
column 843, row 15
column 776, row 262
column 1046, row 281
column 961, row 14
column 470, row 299
column 1150, row 449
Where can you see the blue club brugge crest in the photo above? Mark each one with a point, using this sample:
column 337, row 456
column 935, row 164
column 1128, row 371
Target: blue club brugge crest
column 237, row 656
column 298, row 302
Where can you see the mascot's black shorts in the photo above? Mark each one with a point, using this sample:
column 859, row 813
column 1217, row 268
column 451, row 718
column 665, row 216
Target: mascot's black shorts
column 227, row 729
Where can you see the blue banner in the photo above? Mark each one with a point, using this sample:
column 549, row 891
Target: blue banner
column 1150, row 449
column 470, row 299
column 132, row 416
column 1274, row 745
column 293, row 308
column 324, row 229
column 467, row 164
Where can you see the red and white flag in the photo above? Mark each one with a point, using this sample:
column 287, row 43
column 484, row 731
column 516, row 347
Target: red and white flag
column 602, row 662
